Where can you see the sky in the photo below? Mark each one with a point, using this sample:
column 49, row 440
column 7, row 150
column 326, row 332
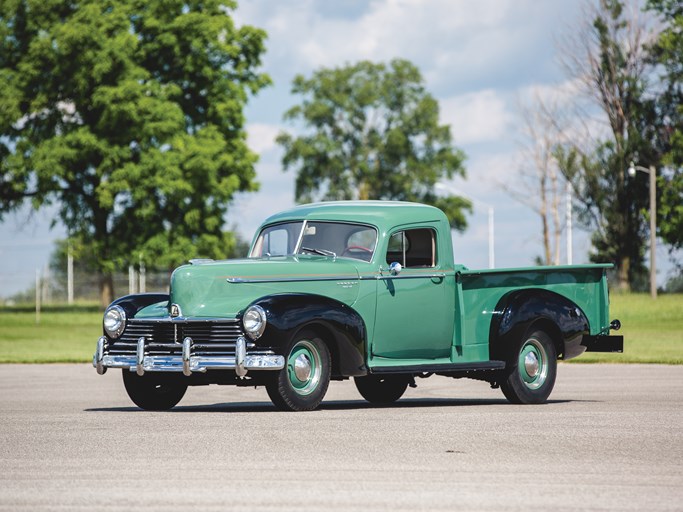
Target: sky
column 479, row 60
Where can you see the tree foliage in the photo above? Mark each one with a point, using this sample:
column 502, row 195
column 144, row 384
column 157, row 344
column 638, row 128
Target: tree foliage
column 372, row 132
column 128, row 116
column 610, row 60
column 668, row 54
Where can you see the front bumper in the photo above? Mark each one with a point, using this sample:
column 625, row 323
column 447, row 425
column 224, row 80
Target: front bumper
column 187, row 363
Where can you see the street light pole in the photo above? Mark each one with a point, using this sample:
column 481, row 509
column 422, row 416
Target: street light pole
column 653, row 222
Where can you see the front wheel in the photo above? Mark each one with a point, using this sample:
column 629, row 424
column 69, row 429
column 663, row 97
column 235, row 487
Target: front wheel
column 154, row 391
column 303, row 382
column 531, row 369
column 378, row 389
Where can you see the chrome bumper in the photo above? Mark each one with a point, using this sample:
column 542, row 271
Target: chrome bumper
column 187, row 363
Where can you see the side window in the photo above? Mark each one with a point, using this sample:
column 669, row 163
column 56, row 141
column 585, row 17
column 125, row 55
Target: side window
column 361, row 244
column 277, row 240
column 365, row 238
column 276, row 243
column 413, row 248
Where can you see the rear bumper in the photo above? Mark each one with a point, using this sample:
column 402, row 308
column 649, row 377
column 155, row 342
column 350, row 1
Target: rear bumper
column 241, row 362
column 603, row 343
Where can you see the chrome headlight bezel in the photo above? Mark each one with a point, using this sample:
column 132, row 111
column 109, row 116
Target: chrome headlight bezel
column 114, row 321
column 254, row 321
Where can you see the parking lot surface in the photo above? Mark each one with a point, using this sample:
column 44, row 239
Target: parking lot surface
column 611, row 438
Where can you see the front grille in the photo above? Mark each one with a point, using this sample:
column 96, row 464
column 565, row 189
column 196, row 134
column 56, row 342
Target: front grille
column 163, row 337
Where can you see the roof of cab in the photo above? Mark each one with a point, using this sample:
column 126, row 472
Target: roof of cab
column 383, row 214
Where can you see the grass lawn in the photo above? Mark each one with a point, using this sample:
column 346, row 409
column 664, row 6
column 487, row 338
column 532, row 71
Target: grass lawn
column 653, row 332
column 64, row 335
column 652, row 329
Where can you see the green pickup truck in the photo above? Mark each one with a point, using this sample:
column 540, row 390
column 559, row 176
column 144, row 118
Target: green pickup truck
column 364, row 289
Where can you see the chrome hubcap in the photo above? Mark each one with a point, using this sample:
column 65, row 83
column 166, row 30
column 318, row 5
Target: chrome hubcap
column 302, row 368
column 531, row 364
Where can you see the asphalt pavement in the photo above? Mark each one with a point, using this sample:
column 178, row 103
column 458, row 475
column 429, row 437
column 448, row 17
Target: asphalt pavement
column 611, row 438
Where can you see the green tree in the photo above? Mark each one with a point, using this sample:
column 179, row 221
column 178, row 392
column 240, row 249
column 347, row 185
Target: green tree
column 609, row 58
column 668, row 54
column 372, row 133
column 128, row 117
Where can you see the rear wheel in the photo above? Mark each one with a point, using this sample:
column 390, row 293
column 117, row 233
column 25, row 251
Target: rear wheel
column 301, row 385
column 381, row 389
column 154, row 391
column 531, row 369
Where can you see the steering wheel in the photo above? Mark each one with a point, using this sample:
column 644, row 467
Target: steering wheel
column 356, row 248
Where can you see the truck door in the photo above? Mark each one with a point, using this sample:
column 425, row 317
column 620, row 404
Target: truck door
column 415, row 305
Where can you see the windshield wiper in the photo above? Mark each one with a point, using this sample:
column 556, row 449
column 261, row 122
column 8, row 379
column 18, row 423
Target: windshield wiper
column 321, row 252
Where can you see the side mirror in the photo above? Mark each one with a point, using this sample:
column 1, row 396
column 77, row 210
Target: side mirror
column 395, row 268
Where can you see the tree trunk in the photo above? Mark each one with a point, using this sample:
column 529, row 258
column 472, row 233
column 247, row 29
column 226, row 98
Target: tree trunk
column 544, row 211
column 546, row 240
column 623, row 268
column 363, row 191
column 106, row 289
column 557, row 226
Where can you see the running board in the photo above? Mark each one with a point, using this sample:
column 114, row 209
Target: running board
column 440, row 368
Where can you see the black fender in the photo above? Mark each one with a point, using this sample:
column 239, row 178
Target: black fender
column 516, row 311
column 342, row 328
column 131, row 304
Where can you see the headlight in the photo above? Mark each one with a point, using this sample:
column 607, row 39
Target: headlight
column 254, row 321
column 114, row 321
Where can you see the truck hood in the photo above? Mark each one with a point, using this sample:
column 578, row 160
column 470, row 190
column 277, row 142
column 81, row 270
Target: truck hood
column 225, row 288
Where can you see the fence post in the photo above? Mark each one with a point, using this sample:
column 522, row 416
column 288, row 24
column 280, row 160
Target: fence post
column 143, row 276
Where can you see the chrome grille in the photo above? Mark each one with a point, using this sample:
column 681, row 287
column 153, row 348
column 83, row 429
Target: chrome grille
column 210, row 337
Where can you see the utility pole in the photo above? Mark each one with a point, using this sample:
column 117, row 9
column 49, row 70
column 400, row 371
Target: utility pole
column 653, row 221
column 70, row 276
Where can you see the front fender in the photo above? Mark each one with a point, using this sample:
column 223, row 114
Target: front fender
column 518, row 310
column 341, row 327
column 133, row 304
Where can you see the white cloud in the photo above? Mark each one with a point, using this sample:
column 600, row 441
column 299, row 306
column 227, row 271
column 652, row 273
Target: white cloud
column 388, row 28
column 476, row 117
column 553, row 95
column 451, row 41
column 489, row 171
column 261, row 137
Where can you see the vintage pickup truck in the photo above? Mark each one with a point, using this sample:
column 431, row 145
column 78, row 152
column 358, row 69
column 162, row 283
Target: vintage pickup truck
column 363, row 289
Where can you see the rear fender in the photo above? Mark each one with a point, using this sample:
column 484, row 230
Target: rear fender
column 517, row 311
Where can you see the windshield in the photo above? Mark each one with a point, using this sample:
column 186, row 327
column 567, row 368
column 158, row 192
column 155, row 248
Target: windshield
column 323, row 238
